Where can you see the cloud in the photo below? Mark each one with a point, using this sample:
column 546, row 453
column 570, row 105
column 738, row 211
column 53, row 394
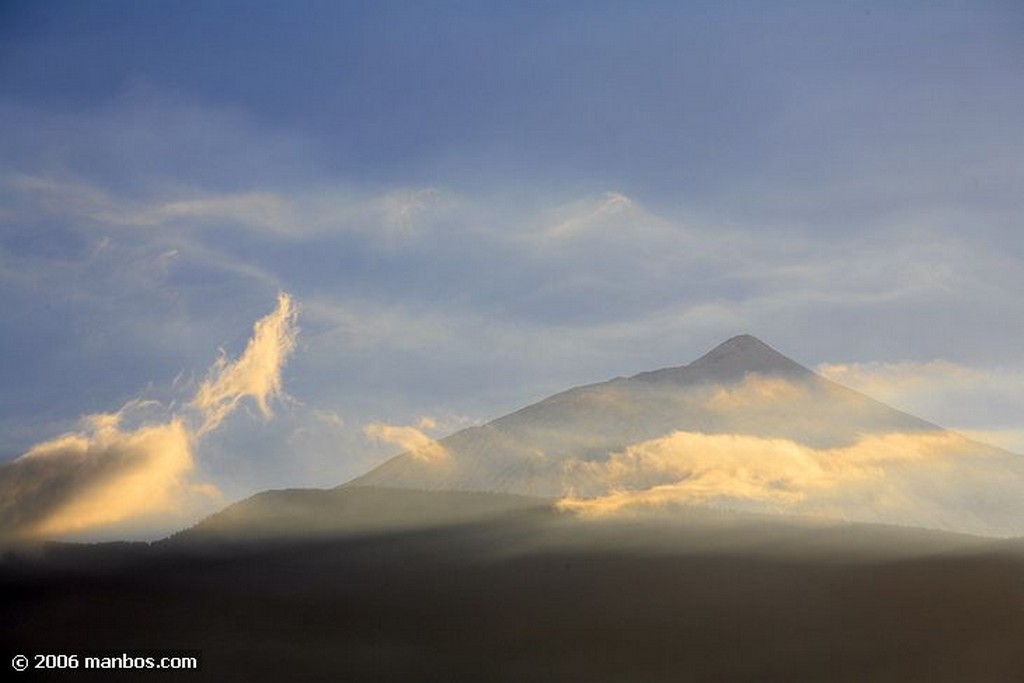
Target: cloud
column 433, row 295
column 920, row 478
column 256, row 373
column 891, row 381
column 757, row 391
column 77, row 198
column 979, row 401
column 1010, row 439
column 426, row 422
column 611, row 212
column 255, row 210
column 410, row 439
column 108, row 473
column 390, row 217
column 101, row 476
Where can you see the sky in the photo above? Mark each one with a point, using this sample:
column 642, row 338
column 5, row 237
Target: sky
column 469, row 206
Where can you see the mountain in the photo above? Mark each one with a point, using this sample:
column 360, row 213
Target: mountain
column 743, row 427
column 464, row 582
column 740, row 387
column 355, row 510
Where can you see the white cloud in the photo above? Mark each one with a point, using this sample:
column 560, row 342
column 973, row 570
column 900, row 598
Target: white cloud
column 255, row 374
column 612, row 211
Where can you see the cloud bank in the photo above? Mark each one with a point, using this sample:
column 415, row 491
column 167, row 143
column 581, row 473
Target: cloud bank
column 103, row 475
column 109, row 473
column 932, row 479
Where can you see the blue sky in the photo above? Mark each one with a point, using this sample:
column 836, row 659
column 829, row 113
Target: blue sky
column 475, row 204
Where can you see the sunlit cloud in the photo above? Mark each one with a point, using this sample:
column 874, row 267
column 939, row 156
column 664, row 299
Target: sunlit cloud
column 809, row 212
column 756, row 391
column 426, row 422
column 108, row 473
column 930, row 479
column 705, row 466
column 411, row 440
column 101, row 476
column 255, row 374
column 620, row 281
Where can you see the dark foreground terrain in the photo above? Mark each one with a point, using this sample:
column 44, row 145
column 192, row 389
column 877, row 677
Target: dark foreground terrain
column 528, row 595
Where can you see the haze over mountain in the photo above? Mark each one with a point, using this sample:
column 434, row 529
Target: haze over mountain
column 382, row 579
column 742, row 427
column 297, row 514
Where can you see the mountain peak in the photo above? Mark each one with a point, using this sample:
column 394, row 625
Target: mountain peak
column 731, row 361
column 743, row 354
column 741, row 343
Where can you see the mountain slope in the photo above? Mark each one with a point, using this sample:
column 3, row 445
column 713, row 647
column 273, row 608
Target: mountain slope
column 742, row 386
column 742, row 426
column 355, row 510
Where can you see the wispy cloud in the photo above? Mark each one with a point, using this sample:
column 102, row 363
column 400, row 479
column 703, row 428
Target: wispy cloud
column 255, row 374
column 410, row 439
column 253, row 210
column 431, row 295
column 929, row 479
column 980, row 401
column 390, row 217
column 890, row 381
column 612, row 212
column 108, row 473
